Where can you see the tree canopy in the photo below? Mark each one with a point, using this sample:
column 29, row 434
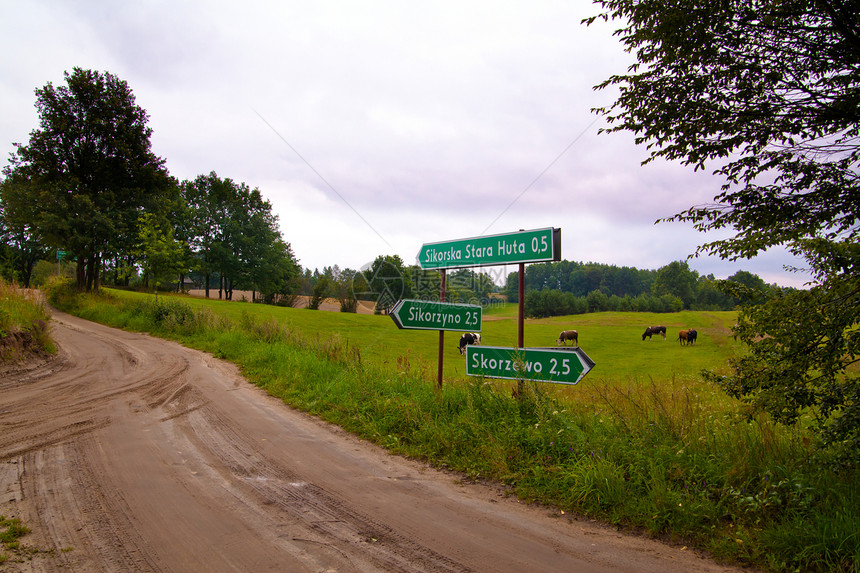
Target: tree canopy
column 87, row 184
column 90, row 168
column 768, row 95
column 768, row 92
column 233, row 232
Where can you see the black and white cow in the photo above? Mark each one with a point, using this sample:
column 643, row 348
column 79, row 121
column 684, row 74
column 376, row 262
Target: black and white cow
column 467, row 339
column 654, row 330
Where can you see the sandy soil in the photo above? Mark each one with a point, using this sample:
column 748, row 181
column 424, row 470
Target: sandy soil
column 129, row 453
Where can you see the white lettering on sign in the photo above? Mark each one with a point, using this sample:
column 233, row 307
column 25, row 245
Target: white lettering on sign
column 512, row 248
column 445, row 318
column 483, row 362
column 473, row 252
column 449, row 254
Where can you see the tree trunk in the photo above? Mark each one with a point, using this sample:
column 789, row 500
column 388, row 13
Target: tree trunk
column 90, row 271
column 97, row 272
column 207, row 277
column 80, row 275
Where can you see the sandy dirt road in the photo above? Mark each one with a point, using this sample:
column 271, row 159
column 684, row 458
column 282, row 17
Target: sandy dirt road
column 129, row 453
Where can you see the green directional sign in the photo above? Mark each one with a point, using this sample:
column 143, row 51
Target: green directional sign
column 535, row 246
column 429, row 315
column 558, row 365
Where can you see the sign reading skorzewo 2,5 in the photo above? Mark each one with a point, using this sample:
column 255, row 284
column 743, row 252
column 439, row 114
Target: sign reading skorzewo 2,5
column 558, row 365
column 430, row 315
column 536, row 246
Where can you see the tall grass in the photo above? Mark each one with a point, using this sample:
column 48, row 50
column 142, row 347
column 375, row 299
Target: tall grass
column 670, row 456
column 23, row 315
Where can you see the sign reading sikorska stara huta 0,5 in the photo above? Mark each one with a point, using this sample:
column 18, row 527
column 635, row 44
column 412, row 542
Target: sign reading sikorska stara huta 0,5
column 536, row 246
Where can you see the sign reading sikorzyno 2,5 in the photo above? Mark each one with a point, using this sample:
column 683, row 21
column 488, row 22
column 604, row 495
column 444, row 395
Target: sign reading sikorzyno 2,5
column 430, row 315
column 536, row 246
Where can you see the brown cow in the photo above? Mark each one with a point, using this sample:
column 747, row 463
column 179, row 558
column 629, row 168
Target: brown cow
column 566, row 335
column 682, row 336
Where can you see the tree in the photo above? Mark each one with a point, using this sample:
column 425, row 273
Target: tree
column 426, row 284
column 709, row 296
column 161, row 255
column 768, row 95
column 234, row 233
column 676, row 279
column 18, row 211
column 321, row 290
column 342, row 289
column 387, row 282
column 90, row 168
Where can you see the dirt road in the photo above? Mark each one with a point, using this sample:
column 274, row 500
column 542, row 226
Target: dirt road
column 129, row 453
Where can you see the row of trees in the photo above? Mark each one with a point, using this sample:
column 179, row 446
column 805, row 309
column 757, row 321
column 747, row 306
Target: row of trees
column 566, row 287
column 388, row 279
column 88, row 189
column 590, row 287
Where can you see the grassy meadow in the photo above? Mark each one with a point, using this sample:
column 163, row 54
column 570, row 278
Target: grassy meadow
column 612, row 340
column 641, row 442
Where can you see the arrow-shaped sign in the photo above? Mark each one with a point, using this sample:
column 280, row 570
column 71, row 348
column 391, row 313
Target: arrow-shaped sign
column 558, row 365
column 521, row 247
column 429, row 315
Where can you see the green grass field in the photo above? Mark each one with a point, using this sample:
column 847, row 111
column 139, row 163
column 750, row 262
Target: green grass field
column 612, row 340
column 641, row 442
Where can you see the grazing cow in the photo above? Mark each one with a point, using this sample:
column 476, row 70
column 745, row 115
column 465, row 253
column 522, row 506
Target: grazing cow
column 566, row 335
column 467, row 339
column 654, row 330
column 682, row 336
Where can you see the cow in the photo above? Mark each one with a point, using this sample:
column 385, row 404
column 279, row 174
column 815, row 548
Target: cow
column 682, row 336
column 566, row 335
column 691, row 336
column 467, row 339
column 654, row 330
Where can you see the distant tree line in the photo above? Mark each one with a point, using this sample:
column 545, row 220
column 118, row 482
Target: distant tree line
column 87, row 191
column 567, row 287
column 551, row 289
column 387, row 279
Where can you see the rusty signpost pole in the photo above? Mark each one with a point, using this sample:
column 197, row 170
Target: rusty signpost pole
column 441, row 332
column 521, row 342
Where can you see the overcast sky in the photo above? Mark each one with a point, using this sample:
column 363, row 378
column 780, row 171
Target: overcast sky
column 374, row 127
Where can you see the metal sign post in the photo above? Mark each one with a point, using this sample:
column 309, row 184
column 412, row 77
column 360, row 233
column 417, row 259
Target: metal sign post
column 441, row 333
column 535, row 246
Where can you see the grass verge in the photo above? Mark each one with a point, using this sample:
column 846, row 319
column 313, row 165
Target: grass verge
column 663, row 455
column 23, row 324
